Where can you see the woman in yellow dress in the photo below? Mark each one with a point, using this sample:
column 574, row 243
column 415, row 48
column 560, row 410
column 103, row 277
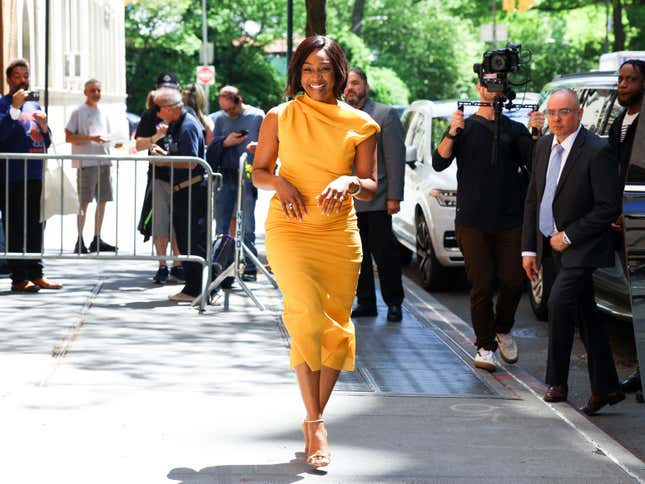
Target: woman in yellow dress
column 312, row 238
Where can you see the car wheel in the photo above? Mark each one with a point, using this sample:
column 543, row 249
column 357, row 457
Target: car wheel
column 431, row 269
column 538, row 296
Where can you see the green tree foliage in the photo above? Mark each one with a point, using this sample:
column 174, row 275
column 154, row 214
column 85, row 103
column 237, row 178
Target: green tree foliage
column 163, row 35
column 410, row 49
column 157, row 39
column 554, row 44
column 385, row 85
column 427, row 47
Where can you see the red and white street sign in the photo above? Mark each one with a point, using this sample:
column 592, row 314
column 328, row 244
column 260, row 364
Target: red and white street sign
column 206, row 75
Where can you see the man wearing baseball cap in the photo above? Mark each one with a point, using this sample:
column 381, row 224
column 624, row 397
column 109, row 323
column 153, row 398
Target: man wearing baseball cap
column 167, row 79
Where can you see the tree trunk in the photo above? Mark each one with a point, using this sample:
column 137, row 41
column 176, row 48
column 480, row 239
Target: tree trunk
column 619, row 30
column 358, row 13
column 316, row 17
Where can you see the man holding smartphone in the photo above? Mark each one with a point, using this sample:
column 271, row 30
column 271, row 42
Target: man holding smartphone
column 239, row 125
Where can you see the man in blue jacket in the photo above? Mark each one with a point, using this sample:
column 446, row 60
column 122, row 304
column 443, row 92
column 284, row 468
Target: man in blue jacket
column 23, row 129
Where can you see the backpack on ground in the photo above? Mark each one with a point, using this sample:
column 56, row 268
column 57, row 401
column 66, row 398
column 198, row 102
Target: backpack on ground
column 223, row 257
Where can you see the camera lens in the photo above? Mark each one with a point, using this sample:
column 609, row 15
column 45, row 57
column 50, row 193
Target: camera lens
column 498, row 63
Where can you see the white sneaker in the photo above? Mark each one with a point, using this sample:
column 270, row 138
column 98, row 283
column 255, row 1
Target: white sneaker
column 485, row 359
column 181, row 297
column 507, row 347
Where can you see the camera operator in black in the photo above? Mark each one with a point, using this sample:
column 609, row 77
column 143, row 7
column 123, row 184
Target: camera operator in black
column 488, row 224
column 185, row 138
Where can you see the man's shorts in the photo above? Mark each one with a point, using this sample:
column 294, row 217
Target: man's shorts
column 89, row 186
column 161, row 223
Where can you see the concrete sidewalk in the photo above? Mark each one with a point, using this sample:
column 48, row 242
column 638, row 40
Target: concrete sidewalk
column 106, row 381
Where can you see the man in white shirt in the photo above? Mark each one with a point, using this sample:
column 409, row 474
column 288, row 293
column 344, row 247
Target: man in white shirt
column 88, row 130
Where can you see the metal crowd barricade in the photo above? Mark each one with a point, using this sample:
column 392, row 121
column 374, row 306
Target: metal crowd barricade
column 120, row 163
column 236, row 269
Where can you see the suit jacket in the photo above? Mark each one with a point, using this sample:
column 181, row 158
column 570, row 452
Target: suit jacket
column 390, row 157
column 586, row 201
column 623, row 149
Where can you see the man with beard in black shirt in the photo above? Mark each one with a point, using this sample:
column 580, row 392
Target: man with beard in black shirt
column 631, row 86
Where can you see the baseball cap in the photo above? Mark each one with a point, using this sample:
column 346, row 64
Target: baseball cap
column 167, row 79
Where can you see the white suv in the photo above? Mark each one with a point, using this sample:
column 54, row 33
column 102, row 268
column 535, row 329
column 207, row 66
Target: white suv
column 426, row 222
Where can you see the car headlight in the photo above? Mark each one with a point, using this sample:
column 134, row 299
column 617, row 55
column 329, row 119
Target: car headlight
column 445, row 198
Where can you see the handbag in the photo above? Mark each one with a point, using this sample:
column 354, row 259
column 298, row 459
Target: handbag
column 58, row 196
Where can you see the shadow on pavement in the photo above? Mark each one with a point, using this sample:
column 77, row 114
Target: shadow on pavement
column 286, row 472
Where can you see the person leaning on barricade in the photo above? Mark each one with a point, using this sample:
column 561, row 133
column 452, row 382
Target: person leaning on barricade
column 185, row 138
column 88, row 130
column 488, row 222
column 155, row 219
column 23, row 129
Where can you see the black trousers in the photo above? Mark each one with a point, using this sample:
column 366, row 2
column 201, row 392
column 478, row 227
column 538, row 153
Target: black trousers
column 13, row 219
column 572, row 301
column 493, row 260
column 378, row 241
column 195, row 225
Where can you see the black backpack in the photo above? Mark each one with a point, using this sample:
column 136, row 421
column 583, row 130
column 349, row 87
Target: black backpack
column 223, row 257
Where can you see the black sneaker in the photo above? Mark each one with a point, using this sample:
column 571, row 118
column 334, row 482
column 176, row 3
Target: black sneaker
column 161, row 277
column 82, row 249
column 250, row 276
column 101, row 246
column 177, row 274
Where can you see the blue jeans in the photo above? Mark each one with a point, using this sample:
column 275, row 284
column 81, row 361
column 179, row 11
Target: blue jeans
column 225, row 204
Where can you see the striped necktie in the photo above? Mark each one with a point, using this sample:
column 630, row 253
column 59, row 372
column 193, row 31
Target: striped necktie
column 547, row 225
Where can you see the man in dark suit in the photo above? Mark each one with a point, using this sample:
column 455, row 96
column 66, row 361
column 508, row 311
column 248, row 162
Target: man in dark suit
column 631, row 86
column 572, row 200
column 375, row 217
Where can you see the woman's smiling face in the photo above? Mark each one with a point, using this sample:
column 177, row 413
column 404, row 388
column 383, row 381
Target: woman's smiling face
column 318, row 77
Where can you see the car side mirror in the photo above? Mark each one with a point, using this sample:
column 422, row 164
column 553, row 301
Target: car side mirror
column 411, row 156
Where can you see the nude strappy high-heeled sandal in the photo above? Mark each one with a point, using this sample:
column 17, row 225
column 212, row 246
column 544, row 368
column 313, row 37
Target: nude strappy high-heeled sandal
column 318, row 458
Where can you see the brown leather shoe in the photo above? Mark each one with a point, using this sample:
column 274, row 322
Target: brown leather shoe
column 556, row 393
column 46, row 283
column 24, row 286
column 596, row 402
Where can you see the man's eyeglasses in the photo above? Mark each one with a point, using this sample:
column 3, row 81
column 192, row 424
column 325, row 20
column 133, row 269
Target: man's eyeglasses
column 551, row 113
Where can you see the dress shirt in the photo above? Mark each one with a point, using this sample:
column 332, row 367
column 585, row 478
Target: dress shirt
column 566, row 144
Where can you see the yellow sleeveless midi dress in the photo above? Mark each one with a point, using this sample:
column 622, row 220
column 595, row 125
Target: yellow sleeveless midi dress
column 316, row 261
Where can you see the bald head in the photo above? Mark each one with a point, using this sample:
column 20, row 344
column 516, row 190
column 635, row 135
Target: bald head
column 563, row 112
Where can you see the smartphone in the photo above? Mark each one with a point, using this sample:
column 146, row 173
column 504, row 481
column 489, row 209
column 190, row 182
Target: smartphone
column 32, row 96
column 242, row 132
